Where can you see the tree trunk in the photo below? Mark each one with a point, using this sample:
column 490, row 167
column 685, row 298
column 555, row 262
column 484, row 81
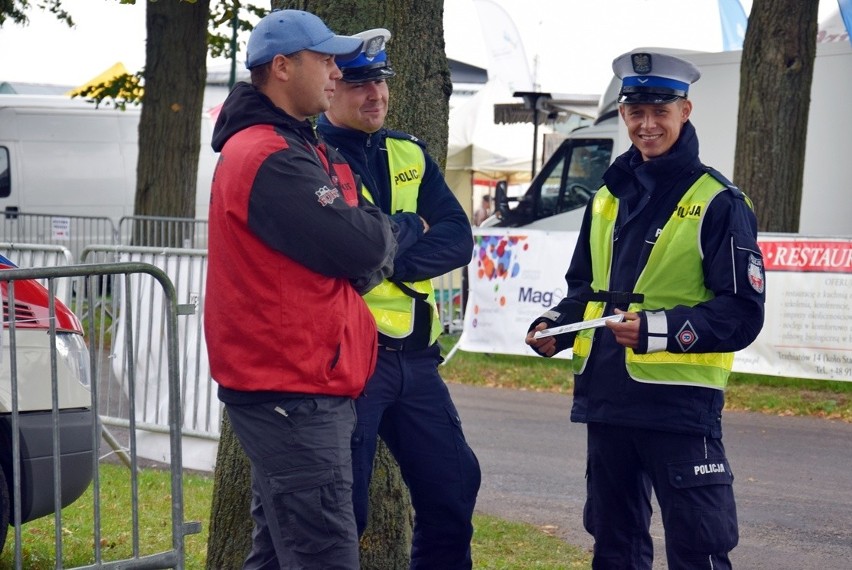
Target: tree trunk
column 229, row 538
column 775, row 86
column 420, row 105
column 386, row 543
column 170, row 125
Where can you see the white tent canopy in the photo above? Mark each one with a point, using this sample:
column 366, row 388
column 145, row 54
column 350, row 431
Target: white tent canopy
column 477, row 144
column 480, row 33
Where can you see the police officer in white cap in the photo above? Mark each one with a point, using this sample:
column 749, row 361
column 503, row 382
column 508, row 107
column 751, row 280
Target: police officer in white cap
column 406, row 401
column 670, row 246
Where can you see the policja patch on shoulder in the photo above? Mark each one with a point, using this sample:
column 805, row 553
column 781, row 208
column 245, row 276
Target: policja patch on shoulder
column 756, row 276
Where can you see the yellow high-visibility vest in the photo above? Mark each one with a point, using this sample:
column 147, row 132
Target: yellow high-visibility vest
column 392, row 307
column 673, row 275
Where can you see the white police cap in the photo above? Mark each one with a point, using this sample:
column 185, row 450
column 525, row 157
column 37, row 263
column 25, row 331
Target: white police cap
column 371, row 63
column 655, row 78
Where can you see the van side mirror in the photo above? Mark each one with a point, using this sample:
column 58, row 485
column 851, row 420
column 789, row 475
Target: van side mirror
column 501, row 199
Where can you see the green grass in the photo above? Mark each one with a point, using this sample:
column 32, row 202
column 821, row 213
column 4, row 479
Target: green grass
column 497, row 544
column 38, row 537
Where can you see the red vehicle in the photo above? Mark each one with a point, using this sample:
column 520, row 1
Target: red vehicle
column 35, row 403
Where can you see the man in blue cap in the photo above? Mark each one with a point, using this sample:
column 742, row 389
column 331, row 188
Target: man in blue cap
column 406, row 401
column 668, row 248
column 292, row 249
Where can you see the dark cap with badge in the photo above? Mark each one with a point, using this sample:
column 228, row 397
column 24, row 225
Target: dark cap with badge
column 371, row 64
column 653, row 78
column 286, row 32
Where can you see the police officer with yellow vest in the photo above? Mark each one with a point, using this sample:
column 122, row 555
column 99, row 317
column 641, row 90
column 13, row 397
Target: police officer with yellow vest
column 670, row 246
column 406, row 401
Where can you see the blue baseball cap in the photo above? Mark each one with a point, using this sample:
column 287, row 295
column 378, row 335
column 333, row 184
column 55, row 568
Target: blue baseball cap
column 286, row 32
column 371, row 62
column 654, row 78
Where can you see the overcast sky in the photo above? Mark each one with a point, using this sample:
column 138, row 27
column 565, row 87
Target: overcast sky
column 569, row 43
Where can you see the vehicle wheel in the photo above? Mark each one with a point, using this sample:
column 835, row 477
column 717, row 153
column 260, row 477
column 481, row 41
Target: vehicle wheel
column 5, row 505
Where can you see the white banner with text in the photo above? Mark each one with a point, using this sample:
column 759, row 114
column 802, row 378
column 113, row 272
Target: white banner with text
column 515, row 275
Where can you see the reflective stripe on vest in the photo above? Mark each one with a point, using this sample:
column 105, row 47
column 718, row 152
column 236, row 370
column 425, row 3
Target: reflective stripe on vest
column 392, row 308
column 673, row 275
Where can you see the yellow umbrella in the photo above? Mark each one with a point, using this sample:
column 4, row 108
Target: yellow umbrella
column 90, row 88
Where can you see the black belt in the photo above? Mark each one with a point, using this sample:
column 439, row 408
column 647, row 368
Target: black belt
column 614, row 297
column 400, row 344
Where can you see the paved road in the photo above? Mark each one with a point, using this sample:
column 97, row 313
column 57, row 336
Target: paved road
column 793, row 477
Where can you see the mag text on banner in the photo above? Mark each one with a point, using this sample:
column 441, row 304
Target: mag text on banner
column 513, row 278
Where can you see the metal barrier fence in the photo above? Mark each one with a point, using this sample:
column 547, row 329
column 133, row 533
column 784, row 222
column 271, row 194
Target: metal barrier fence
column 38, row 255
column 76, row 232
column 202, row 412
column 24, row 391
column 71, row 232
column 450, row 296
column 157, row 231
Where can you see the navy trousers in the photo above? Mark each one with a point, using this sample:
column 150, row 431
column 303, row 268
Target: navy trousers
column 692, row 480
column 407, row 403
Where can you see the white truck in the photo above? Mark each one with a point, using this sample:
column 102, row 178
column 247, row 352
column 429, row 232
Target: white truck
column 556, row 198
column 64, row 156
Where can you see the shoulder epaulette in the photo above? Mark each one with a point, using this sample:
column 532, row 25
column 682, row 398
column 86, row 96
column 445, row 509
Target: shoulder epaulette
column 728, row 184
column 406, row 137
column 722, row 179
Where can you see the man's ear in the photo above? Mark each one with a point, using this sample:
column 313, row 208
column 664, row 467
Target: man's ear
column 280, row 67
column 686, row 110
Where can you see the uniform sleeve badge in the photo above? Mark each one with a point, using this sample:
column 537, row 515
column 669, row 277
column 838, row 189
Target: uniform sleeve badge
column 756, row 276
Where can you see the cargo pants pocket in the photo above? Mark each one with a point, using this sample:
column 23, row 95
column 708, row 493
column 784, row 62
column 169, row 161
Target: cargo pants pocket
column 703, row 514
column 308, row 508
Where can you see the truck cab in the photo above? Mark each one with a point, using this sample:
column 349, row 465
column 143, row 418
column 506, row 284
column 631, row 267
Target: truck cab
column 36, row 421
column 557, row 196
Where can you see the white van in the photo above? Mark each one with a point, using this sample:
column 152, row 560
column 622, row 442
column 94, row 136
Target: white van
column 65, row 156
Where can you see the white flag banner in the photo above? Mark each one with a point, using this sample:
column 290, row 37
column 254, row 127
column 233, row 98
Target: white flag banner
column 516, row 275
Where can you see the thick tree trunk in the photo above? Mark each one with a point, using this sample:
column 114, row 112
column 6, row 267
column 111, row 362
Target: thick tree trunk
column 170, row 127
column 229, row 538
column 419, row 104
column 775, row 86
column 386, row 543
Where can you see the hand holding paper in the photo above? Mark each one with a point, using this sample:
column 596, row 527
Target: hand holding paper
column 594, row 323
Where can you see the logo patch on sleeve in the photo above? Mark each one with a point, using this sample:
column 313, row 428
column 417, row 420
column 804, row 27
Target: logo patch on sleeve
column 686, row 336
column 326, row 195
column 756, row 277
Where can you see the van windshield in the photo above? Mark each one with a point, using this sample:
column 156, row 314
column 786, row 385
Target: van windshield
column 570, row 179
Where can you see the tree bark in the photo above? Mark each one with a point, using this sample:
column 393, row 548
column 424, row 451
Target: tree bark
column 775, row 85
column 419, row 104
column 229, row 537
column 170, row 125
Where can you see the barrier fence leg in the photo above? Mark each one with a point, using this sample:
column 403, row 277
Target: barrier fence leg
column 451, row 352
column 116, row 447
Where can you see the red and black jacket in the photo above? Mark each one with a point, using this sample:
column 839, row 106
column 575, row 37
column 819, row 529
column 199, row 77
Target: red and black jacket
column 289, row 248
